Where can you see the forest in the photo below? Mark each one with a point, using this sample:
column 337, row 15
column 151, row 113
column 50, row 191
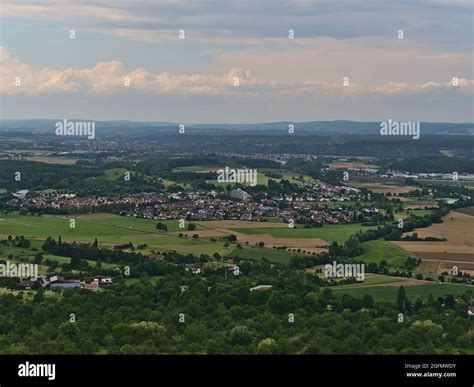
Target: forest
column 215, row 315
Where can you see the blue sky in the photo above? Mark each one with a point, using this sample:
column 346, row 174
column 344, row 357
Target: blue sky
column 127, row 62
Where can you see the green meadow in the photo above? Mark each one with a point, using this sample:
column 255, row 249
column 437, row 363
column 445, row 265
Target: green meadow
column 196, row 168
column 375, row 280
column 415, row 212
column 153, row 279
column 262, row 177
column 331, row 232
column 255, row 253
column 389, row 293
column 28, row 295
column 19, row 254
column 61, row 260
column 41, row 227
column 109, row 230
column 380, row 250
column 106, row 227
column 113, row 229
column 261, row 180
column 135, row 223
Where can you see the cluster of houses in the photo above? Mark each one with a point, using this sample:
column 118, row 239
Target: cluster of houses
column 374, row 172
column 230, row 270
column 319, row 202
column 58, row 282
column 436, row 176
column 280, row 158
column 312, row 202
column 54, row 201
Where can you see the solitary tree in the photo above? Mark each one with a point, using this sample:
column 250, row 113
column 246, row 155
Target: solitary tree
column 38, row 258
column 402, row 299
column 161, row 226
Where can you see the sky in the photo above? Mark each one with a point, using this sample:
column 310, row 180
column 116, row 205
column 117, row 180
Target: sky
column 222, row 61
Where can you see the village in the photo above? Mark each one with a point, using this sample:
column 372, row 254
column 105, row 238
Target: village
column 318, row 203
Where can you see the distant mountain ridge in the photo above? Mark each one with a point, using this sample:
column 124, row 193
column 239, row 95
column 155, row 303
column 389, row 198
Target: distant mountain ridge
column 309, row 127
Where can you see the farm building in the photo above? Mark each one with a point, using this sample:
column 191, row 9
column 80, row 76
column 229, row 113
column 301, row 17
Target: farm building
column 123, row 246
column 261, row 288
column 57, row 282
column 103, row 279
column 156, row 257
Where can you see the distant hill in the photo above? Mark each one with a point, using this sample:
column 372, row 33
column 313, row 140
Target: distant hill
column 440, row 164
column 310, row 127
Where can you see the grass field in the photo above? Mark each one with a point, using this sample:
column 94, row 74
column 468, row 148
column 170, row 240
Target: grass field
column 169, row 183
column 274, row 220
column 457, row 228
column 446, row 152
column 345, row 203
column 380, row 250
column 138, row 223
column 262, row 177
column 329, row 233
column 256, row 253
column 379, row 185
column 18, row 254
column 287, row 175
column 415, row 212
column 107, row 227
column 21, row 255
column 42, row 227
column 153, row 279
column 117, row 174
column 51, row 160
column 350, row 164
column 61, row 260
column 453, row 183
column 29, row 294
column 376, row 279
column 389, row 293
column 111, row 175
column 196, row 168
column 109, row 230
column 261, row 180
column 113, row 229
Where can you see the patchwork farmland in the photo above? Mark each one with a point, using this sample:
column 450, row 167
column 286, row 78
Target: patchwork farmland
column 457, row 250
